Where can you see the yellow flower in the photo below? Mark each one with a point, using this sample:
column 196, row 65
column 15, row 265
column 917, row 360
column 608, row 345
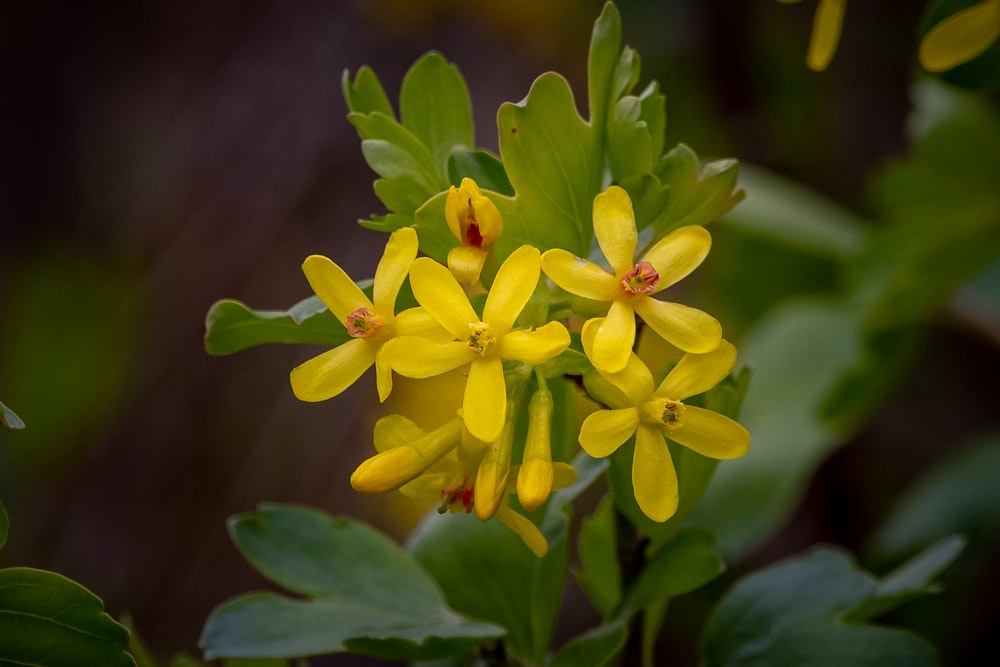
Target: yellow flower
column 483, row 343
column 476, row 222
column 827, row 24
column 534, row 480
column 369, row 324
column 961, row 37
column 655, row 414
column 630, row 288
column 443, row 466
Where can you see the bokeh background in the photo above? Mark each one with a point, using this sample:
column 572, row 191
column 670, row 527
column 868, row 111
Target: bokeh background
column 159, row 156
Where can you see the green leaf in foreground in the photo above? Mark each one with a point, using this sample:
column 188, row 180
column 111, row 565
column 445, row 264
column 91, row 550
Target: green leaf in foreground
column 794, row 613
column 231, row 326
column 4, row 525
column 51, row 621
column 362, row 594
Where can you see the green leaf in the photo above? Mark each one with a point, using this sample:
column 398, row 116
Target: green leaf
column 682, row 565
column 605, row 43
column 960, row 495
column 362, row 593
column 48, row 620
column 798, row 353
column 9, row 419
column 483, row 167
column 912, row 579
column 4, row 525
column 231, row 326
column 793, row 613
column 435, row 106
column 599, row 574
column 698, row 195
column 594, row 648
column 365, row 95
column 554, row 162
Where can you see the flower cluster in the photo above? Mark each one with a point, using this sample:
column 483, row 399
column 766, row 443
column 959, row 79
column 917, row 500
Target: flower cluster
column 467, row 463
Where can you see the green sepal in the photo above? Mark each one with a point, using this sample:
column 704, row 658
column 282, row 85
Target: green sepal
column 796, row 612
column 360, row 593
column 9, row 419
column 231, row 326
column 47, row 619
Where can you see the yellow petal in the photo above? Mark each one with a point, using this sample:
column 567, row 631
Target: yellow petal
column 513, row 286
column 604, row 431
column 688, row 328
column 527, row 531
column 696, row 373
column 490, row 220
column 334, row 287
column 578, row 276
column 711, row 434
column 614, row 227
column 400, row 251
column 635, row 380
column 465, row 263
column 418, row 322
column 333, row 371
column 563, row 475
column 654, row 479
column 678, row 253
column 415, row 357
column 537, row 346
column 484, row 406
column 534, row 479
column 961, row 37
column 395, row 431
column 827, row 23
column 441, row 296
column 614, row 338
column 383, row 377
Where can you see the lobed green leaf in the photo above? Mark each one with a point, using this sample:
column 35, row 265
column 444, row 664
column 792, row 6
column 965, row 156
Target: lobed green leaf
column 231, row 326
column 362, row 594
column 47, row 620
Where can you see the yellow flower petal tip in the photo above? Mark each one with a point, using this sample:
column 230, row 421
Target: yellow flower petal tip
column 388, row 471
column 534, row 483
column 961, row 37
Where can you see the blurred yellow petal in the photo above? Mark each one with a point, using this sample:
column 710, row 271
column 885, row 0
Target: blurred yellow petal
column 466, row 263
column 827, row 22
column 333, row 371
column 416, row 357
column 654, row 479
column 440, row 295
column 513, row 286
column 563, row 475
column 395, row 431
column 684, row 327
column 696, row 373
column 527, row 531
column 388, row 470
column 400, row 251
column 484, row 406
column 613, row 338
column 961, row 37
column 578, row 276
column 334, row 287
column 537, row 346
column 678, row 253
column 604, row 431
column 614, row 227
column 635, row 380
column 711, row 434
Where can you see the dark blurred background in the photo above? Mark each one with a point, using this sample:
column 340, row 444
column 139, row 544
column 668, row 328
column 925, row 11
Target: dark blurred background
column 159, row 156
